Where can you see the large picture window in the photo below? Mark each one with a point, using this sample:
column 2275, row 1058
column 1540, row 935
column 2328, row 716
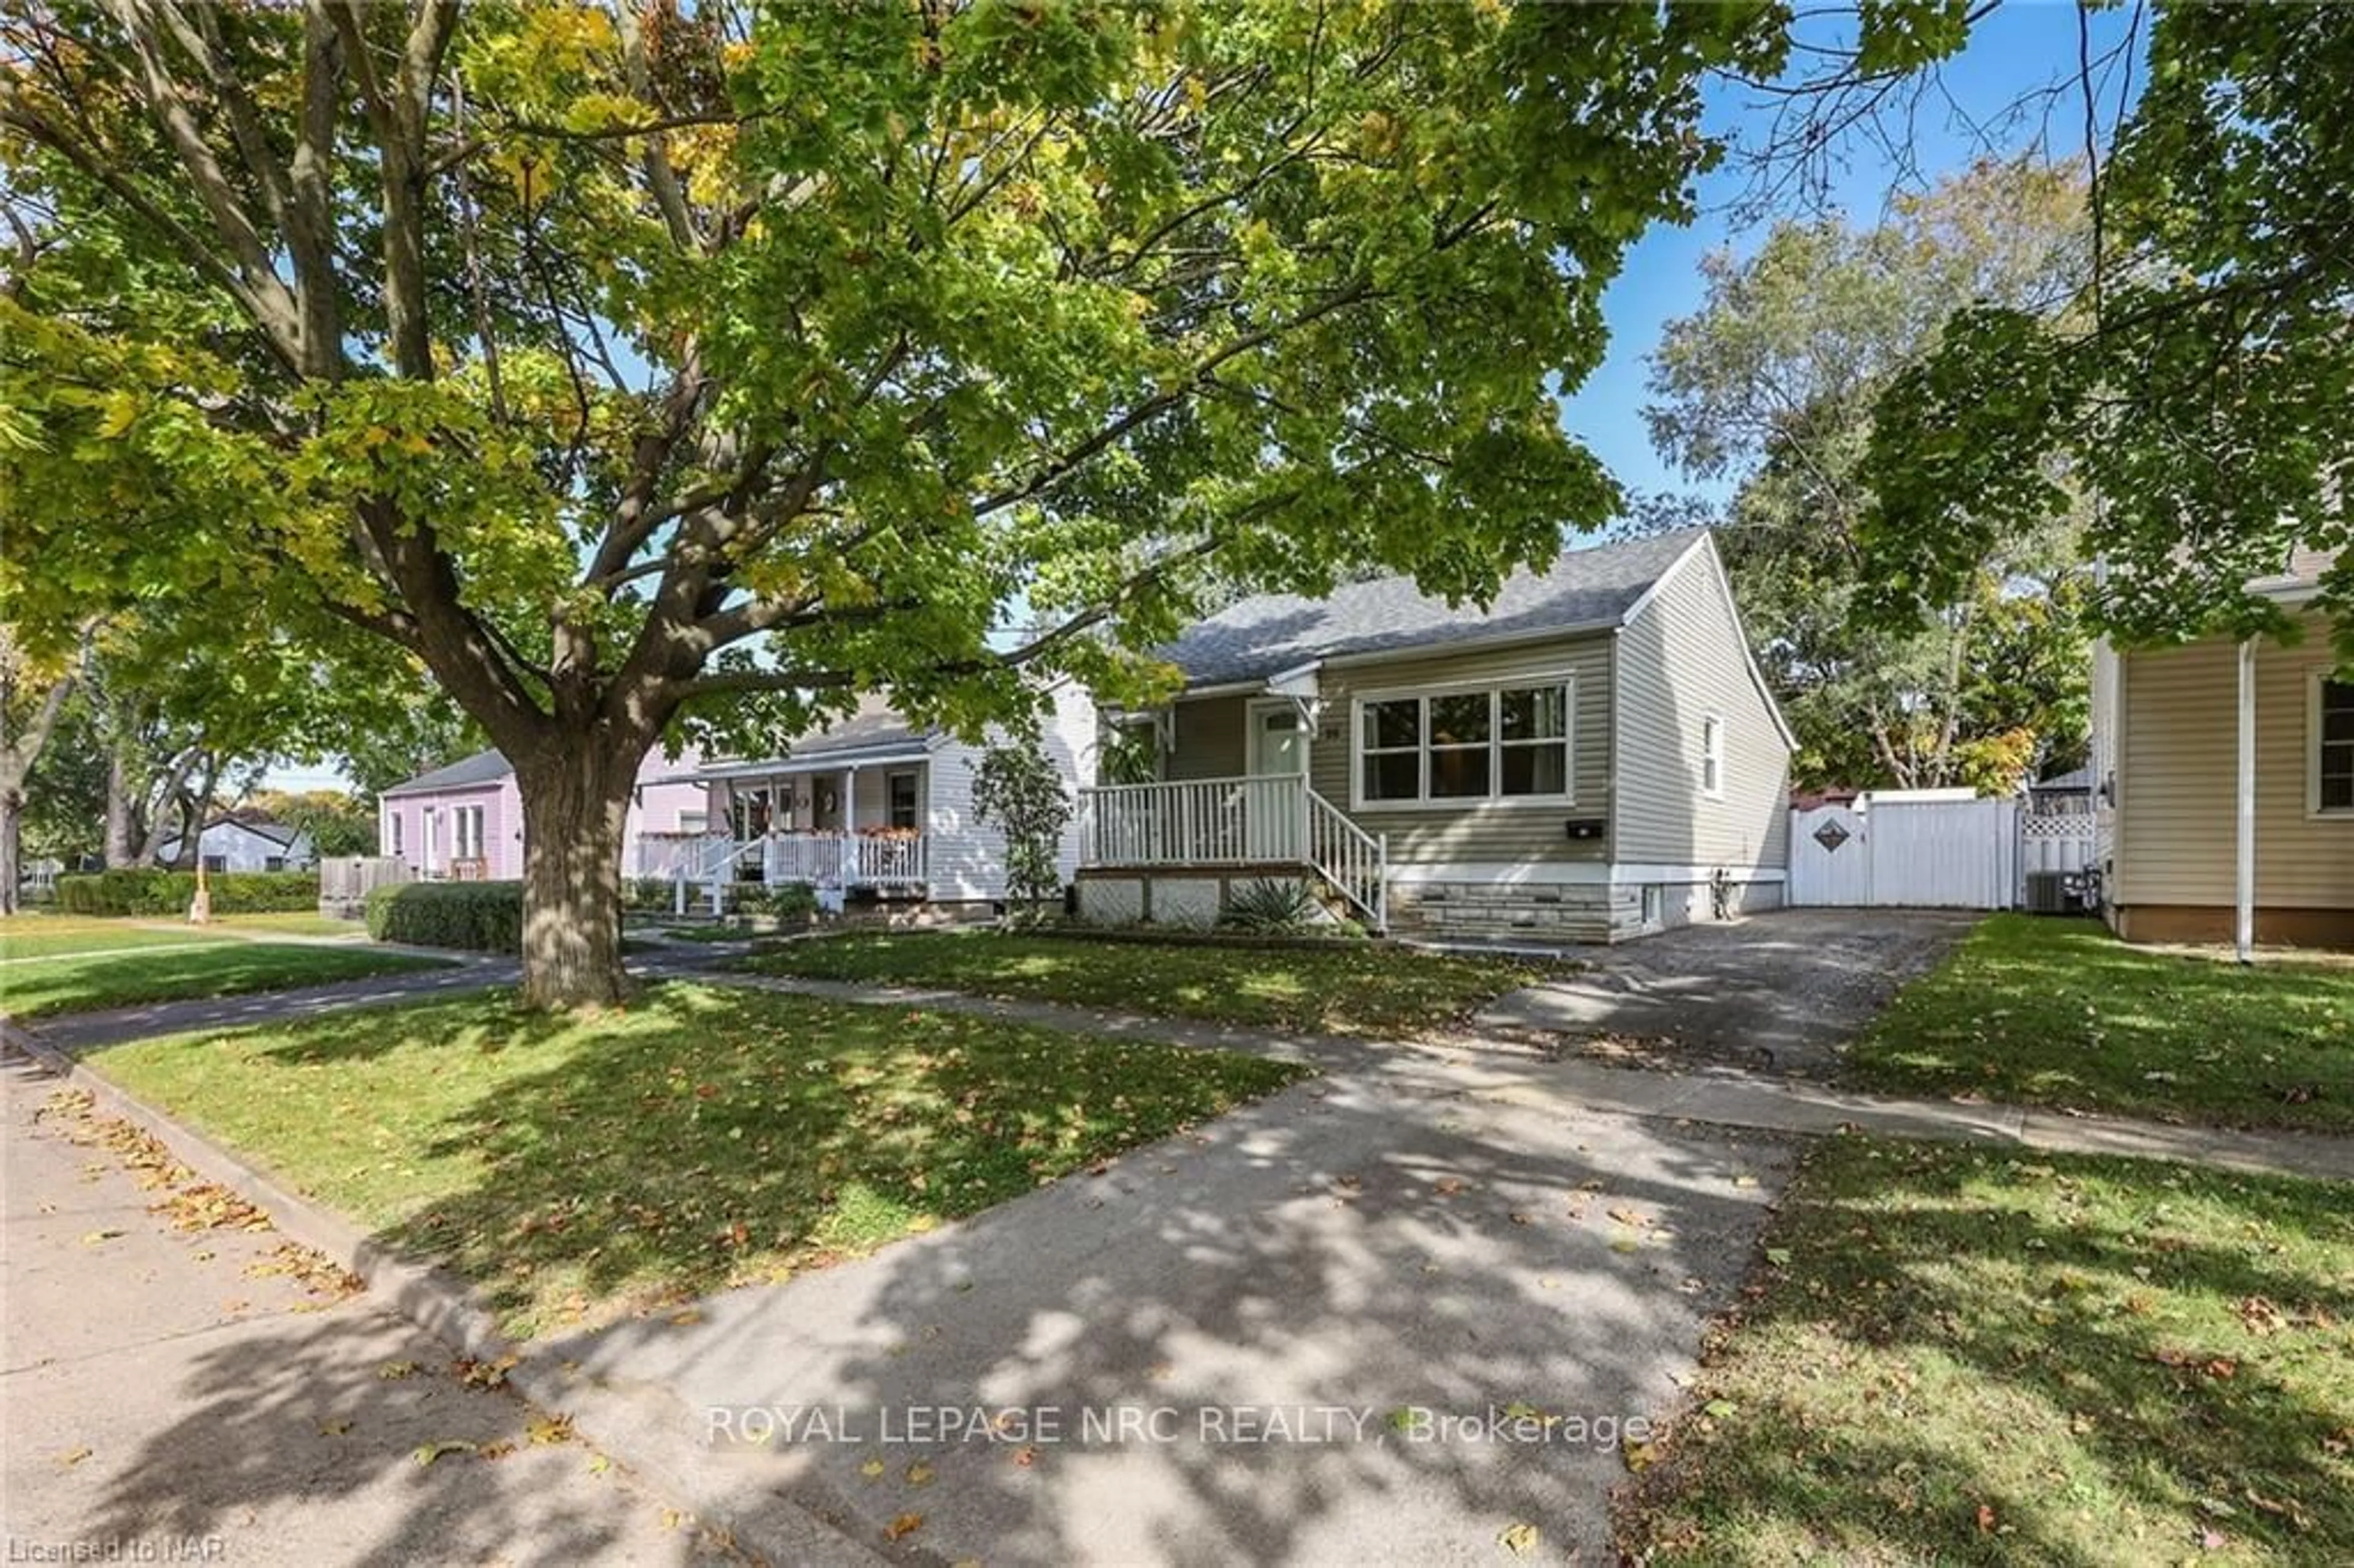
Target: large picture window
column 1494, row 743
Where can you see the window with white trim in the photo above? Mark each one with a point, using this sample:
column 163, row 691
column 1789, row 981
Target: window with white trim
column 396, row 819
column 1490, row 743
column 1712, row 755
column 467, row 829
column 900, row 791
column 2333, row 746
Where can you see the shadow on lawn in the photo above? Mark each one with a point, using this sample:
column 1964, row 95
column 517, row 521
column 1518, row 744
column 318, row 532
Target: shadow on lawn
column 690, row 1147
column 2086, row 1388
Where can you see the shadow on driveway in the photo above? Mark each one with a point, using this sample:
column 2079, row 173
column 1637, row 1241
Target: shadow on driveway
column 1265, row 1320
column 1773, row 993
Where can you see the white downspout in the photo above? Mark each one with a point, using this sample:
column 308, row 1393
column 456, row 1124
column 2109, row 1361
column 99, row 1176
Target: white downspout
column 2244, row 879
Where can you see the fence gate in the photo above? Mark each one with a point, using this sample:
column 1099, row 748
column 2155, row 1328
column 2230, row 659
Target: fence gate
column 1938, row 854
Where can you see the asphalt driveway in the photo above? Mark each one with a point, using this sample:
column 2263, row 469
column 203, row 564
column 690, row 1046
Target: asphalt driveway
column 1379, row 1318
column 1775, row 993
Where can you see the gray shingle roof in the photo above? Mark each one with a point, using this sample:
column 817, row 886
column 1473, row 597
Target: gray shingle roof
column 1263, row 636
column 873, row 727
column 868, row 731
column 483, row 767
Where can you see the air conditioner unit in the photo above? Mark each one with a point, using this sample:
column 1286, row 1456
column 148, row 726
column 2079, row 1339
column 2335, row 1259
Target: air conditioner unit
column 2047, row 892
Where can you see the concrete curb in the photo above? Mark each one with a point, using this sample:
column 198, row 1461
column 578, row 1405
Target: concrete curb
column 445, row 1307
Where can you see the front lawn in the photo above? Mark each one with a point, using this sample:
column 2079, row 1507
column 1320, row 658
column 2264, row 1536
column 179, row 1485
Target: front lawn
column 40, row 935
column 2059, row 1012
column 92, row 978
column 1344, row 989
column 1973, row 1356
column 705, row 1136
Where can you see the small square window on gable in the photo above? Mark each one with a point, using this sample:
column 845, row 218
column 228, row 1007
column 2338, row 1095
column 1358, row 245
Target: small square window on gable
column 2333, row 746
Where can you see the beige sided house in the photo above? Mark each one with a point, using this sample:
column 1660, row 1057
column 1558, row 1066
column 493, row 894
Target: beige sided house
column 2182, row 737
column 1593, row 758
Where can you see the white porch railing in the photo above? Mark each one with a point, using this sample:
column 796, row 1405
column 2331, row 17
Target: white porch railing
column 821, row 859
column 1273, row 820
column 857, row 860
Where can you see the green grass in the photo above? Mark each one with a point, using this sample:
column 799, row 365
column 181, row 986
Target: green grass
column 38, row 936
column 2059, row 1012
column 83, row 983
column 1966, row 1356
column 1346, row 989
column 576, row 1168
column 294, row 923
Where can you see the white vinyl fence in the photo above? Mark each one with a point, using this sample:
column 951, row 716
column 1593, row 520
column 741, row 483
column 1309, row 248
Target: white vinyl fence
column 1930, row 855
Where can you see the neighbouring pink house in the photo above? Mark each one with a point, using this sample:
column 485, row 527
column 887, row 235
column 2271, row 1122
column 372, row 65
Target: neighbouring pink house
column 465, row 822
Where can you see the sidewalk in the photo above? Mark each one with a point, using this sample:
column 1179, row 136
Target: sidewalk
column 178, row 1391
column 1510, row 1073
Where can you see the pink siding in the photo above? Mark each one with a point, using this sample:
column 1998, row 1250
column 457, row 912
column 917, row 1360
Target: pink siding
column 502, row 804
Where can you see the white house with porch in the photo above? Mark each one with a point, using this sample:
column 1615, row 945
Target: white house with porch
column 873, row 806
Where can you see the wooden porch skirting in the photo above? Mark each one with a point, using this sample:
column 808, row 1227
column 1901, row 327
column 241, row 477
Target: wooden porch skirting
column 2275, row 926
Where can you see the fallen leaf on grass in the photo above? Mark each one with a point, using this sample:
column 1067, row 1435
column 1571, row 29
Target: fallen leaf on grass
column 919, row 1474
column 906, row 1524
column 73, row 1457
column 334, row 1428
column 546, row 1431
column 93, row 1238
column 392, row 1372
column 1519, row 1539
column 872, row 1470
column 426, row 1453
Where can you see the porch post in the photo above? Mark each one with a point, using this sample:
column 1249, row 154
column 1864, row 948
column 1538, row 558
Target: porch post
column 2244, row 889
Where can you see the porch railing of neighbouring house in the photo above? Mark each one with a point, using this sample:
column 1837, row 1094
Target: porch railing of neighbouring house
column 1211, row 823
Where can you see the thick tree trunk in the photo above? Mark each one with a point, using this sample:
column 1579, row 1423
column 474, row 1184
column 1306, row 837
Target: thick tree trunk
column 574, row 808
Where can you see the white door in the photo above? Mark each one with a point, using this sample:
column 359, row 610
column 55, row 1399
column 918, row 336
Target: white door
column 1275, row 812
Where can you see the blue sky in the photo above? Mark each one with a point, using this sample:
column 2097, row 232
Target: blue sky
column 2025, row 45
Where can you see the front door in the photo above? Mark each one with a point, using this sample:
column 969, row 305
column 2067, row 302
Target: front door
column 1274, row 812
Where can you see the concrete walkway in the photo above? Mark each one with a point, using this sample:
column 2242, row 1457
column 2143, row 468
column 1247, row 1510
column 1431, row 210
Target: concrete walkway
column 1502, row 1071
column 1510, row 1073
column 175, row 1395
column 75, row 1032
column 1329, row 1328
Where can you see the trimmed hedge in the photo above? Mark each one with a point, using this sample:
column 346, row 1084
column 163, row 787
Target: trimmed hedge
column 143, row 890
column 479, row 916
